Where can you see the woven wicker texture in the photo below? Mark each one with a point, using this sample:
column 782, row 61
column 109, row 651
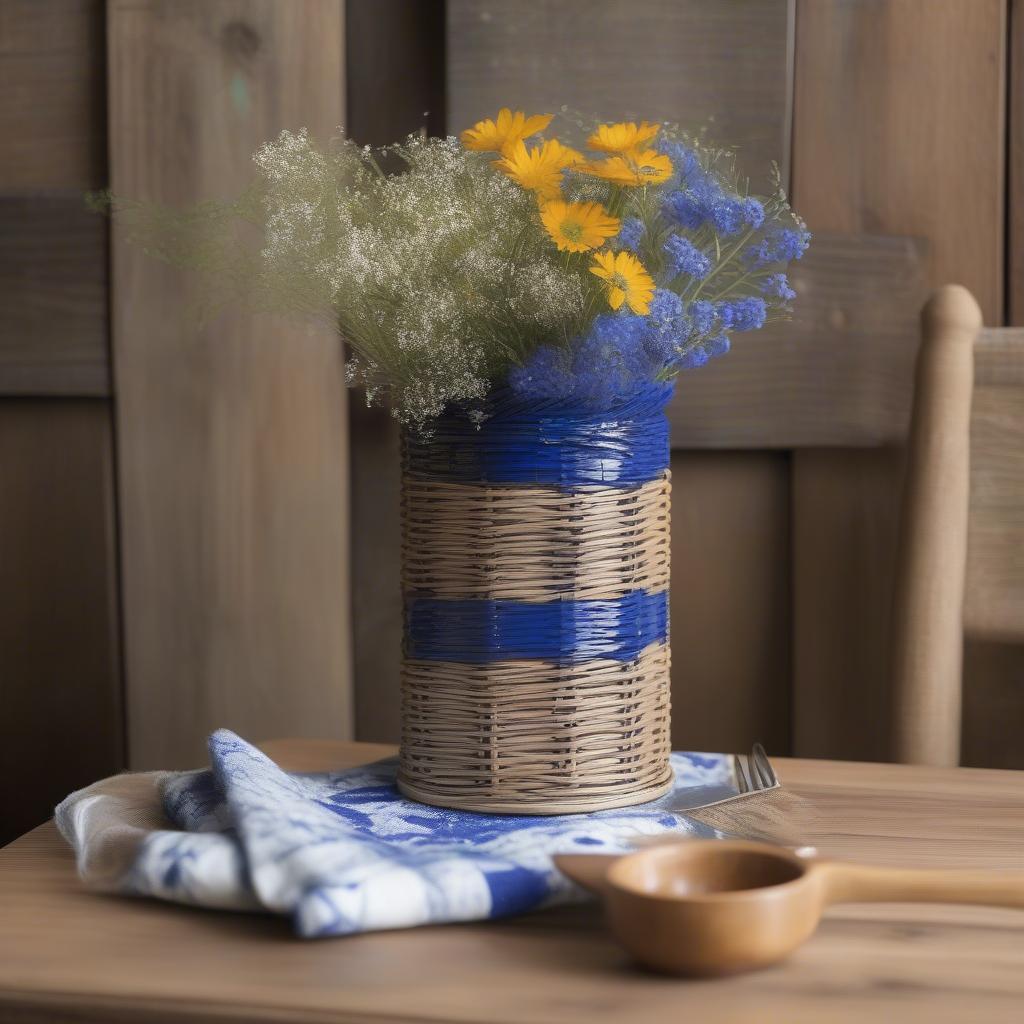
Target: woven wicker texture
column 534, row 543
column 527, row 737
column 534, row 736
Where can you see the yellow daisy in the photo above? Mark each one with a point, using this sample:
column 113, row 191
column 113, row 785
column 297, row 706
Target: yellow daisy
column 646, row 168
column 625, row 137
column 626, row 280
column 501, row 134
column 577, row 227
column 539, row 169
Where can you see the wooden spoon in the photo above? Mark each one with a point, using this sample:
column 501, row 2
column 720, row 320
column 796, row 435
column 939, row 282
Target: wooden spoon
column 721, row 906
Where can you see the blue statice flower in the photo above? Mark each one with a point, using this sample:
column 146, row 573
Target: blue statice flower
column 693, row 359
column 666, row 329
column 702, row 315
column 612, row 361
column 779, row 245
column 742, row 314
column 685, row 208
column 630, row 233
column 685, row 258
column 717, row 346
column 753, row 212
column 684, row 160
column 546, row 375
column 705, row 200
column 778, row 285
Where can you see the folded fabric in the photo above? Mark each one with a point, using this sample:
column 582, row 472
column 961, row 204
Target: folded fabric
column 345, row 852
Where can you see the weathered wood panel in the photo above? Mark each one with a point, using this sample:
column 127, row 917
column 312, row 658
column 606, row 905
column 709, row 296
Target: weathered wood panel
column 726, row 67
column 731, row 664
column 1015, row 165
column 60, row 690
column 898, row 129
column 839, row 374
column 233, row 475
column 994, row 589
column 52, row 104
column 395, row 68
column 697, row 62
column 53, row 297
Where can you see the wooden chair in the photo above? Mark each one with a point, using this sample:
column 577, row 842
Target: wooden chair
column 960, row 566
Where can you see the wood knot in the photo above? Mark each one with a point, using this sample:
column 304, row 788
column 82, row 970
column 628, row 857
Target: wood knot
column 240, row 39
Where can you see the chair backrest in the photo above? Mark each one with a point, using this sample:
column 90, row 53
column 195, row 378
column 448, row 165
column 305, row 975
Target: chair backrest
column 961, row 557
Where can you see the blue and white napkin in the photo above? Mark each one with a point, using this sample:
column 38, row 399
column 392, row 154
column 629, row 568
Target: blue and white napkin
column 345, row 852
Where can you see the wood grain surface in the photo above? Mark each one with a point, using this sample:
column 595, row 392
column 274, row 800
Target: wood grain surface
column 61, row 713
column 898, row 130
column 395, row 53
column 994, row 597
column 839, row 374
column 54, row 324
column 66, row 954
column 704, row 64
column 52, row 104
column 232, row 433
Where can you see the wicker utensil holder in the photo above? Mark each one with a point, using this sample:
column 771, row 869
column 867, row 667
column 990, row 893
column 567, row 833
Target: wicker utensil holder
column 535, row 572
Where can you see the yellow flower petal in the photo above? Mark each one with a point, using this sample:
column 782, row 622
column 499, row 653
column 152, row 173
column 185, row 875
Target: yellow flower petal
column 631, row 169
column 624, row 137
column 501, row 134
column 540, row 168
column 626, row 280
column 578, row 227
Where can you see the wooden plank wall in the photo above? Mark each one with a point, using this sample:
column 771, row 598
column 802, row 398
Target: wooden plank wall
column 60, row 689
column 726, row 66
column 233, row 467
column 898, row 128
column 395, row 67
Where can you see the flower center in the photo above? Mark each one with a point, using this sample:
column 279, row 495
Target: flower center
column 619, row 281
column 572, row 230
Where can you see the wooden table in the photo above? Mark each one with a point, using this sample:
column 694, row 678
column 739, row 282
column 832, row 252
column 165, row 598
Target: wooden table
column 69, row 955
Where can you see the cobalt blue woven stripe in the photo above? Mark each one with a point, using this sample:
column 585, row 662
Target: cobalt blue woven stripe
column 555, row 443
column 566, row 632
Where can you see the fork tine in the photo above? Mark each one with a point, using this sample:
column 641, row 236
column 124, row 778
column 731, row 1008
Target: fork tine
column 763, row 767
column 744, row 782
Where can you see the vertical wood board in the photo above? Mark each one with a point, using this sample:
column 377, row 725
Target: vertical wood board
column 897, row 129
column 705, row 64
column 233, row 474
column 60, row 689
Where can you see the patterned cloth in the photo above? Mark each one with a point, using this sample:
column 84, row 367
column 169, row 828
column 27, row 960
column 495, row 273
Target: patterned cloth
column 345, row 852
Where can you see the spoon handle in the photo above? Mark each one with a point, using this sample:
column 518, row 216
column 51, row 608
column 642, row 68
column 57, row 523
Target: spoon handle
column 855, row 883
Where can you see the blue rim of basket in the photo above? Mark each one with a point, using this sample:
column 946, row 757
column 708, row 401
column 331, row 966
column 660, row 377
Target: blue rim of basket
column 565, row 444
column 562, row 631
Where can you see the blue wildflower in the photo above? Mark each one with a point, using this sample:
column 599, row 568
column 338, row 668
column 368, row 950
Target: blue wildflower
column 547, row 374
column 726, row 213
column 753, row 212
column 717, row 346
column 685, row 208
column 685, row 258
column 684, row 160
column 665, row 305
column 693, row 359
column 666, row 329
column 702, row 314
column 629, row 235
column 779, row 246
column 612, row 361
column 778, row 285
column 742, row 314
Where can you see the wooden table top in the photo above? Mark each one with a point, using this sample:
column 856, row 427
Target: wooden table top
column 67, row 954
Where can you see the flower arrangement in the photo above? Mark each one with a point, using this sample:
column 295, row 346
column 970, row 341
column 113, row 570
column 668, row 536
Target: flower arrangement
column 505, row 259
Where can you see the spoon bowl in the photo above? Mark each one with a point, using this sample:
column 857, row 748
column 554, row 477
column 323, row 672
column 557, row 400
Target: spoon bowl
column 712, row 907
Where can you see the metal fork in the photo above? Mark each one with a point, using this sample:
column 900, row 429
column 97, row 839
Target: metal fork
column 754, row 773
